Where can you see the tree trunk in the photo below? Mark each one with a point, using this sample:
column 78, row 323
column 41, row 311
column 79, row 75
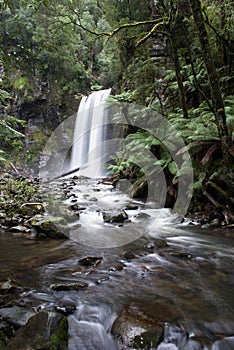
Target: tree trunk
column 178, row 75
column 216, row 96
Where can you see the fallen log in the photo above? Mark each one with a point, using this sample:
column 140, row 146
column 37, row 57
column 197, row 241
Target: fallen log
column 67, row 173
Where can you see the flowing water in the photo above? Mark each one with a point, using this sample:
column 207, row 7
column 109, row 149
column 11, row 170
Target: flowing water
column 190, row 281
column 185, row 287
column 90, row 133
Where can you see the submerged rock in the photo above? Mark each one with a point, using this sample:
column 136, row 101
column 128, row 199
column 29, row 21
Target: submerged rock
column 45, row 330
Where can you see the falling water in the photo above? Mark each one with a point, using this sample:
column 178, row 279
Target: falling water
column 91, row 132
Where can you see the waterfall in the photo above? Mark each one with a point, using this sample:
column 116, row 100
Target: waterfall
column 90, row 133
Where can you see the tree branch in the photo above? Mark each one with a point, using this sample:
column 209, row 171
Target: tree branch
column 150, row 33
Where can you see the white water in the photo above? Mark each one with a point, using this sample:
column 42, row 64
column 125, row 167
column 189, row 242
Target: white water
column 90, row 133
column 90, row 328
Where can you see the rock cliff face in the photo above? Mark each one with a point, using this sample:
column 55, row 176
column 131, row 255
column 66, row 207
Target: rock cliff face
column 45, row 112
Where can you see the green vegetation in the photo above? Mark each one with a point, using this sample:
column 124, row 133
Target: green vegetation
column 171, row 57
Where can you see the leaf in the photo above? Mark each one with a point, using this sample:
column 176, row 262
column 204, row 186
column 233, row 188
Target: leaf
column 13, row 131
column 197, row 185
column 173, row 168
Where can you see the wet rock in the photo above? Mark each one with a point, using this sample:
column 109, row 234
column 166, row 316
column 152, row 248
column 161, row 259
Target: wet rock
column 143, row 215
column 74, row 207
column 131, row 206
column 149, row 339
column 225, row 343
column 115, row 216
column 131, row 326
column 157, row 243
column 142, row 325
column 50, row 227
column 93, row 199
column 117, row 267
column 45, row 330
column 6, row 332
column 102, row 280
column 69, row 286
column 214, row 223
column 16, row 315
column 181, row 255
column 20, row 229
column 65, row 308
column 8, row 286
column 129, row 256
column 90, row 261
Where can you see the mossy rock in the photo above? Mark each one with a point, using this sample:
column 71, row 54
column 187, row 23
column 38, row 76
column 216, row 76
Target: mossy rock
column 49, row 227
column 31, row 208
column 141, row 325
column 45, row 330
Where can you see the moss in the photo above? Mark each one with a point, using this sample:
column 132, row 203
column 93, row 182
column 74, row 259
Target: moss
column 63, row 333
column 53, row 342
column 17, row 192
column 59, row 340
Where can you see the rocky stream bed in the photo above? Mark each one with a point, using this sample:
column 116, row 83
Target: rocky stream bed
column 84, row 266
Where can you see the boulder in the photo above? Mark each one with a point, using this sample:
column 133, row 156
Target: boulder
column 16, row 315
column 118, row 216
column 45, row 330
column 142, row 326
column 50, row 227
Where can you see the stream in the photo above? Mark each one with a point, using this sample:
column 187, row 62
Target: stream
column 186, row 285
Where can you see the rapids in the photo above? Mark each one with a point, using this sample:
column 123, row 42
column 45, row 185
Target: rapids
column 192, row 277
